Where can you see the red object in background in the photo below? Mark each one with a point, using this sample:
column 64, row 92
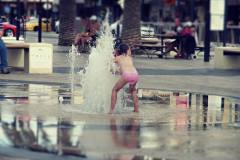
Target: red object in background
column 170, row 2
column 9, row 30
column 24, row 118
column 186, row 31
column 182, row 101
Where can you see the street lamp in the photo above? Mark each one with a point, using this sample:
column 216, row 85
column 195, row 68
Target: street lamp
column 18, row 20
column 40, row 21
column 192, row 10
column 47, row 14
column 207, row 31
column 225, row 24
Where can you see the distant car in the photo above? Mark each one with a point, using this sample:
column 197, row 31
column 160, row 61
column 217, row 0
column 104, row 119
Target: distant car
column 32, row 25
column 9, row 30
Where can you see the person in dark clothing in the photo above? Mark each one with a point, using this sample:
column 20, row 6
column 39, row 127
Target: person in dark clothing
column 185, row 43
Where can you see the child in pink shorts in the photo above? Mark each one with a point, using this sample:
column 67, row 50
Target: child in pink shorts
column 129, row 75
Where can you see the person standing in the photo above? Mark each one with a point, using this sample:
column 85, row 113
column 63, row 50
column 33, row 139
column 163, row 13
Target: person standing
column 3, row 53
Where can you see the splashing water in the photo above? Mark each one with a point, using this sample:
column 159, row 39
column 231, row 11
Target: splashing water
column 97, row 79
column 72, row 54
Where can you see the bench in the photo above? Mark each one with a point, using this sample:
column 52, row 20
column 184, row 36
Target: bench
column 17, row 55
column 231, row 53
column 150, row 45
column 151, row 40
column 151, row 49
column 227, row 58
column 199, row 49
column 33, row 57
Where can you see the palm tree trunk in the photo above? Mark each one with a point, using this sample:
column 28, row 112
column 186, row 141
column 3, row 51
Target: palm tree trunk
column 131, row 22
column 67, row 13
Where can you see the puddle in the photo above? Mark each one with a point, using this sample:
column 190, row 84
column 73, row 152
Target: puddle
column 170, row 125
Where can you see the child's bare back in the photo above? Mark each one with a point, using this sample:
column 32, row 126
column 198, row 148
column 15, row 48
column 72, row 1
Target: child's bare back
column 125, row 63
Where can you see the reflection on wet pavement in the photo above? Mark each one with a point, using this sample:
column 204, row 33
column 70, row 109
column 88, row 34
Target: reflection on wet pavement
column 170, row 125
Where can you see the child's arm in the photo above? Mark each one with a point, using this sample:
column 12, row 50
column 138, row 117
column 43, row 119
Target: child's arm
column 115, row 68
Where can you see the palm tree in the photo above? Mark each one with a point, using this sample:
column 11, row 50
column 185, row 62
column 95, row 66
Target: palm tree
column 131, row 22
column 67, row 13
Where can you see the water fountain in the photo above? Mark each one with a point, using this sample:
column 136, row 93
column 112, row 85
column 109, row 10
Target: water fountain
column 72, row 61
column 97, row 78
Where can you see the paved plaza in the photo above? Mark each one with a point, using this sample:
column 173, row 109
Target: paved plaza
column 167, row 74
column 188, row 110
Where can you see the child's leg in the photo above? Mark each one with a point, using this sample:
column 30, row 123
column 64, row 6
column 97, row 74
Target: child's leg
column 133, row 91
column 119, row 85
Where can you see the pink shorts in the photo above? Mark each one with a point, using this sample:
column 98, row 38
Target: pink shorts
column 131, row 78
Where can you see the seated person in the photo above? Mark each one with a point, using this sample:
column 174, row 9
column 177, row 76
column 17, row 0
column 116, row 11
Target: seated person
column 184, row 44
column 3, row 54
column 82, row 38
column 92, row 27
column 174, row 45
column 188, row 42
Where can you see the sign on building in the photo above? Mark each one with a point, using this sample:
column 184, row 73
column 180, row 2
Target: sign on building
column 217, row 11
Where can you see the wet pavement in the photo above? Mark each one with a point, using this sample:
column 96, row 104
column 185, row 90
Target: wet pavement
column 43, row 122
column 192, row 113
column 164, row 74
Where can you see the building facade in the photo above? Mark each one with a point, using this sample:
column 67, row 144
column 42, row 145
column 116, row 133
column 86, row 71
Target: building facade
column 168, row 10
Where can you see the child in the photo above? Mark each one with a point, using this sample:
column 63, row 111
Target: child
column 129, row 75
